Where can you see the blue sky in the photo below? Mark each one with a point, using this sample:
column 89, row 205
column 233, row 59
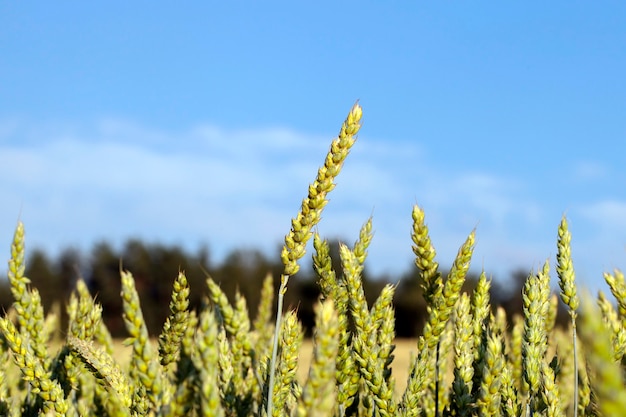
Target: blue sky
column 204, row 123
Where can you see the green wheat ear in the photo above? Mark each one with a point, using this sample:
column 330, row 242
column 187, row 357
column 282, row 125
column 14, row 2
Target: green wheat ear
column 312, row 206
column 424, row 251
column 423, row 367
column 207, row 362
column 145, row 367
column 263, row 324
column 30, row 314
column 565, row 268
column 33, row 371
column 287, row 366
column 617, row 284
column 461, row 397
column 536, row 302
column 489, row 394
column 176, row 324
column 565, row 271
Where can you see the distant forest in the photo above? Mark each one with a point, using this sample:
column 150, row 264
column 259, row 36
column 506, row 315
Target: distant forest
column 154, row 267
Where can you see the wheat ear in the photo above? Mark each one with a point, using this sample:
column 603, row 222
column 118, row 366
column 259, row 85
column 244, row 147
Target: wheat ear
column 565, row 271
column 263, row 325
column 318, row 397
column 207, row 364
column 606, row 381
column 489, row 396
column 535, row 297
column 618, row 288
column 309, row 216
column 444, row 304
column 461, row 397
column 287, row 363
column 144, row 365
column 33, row 371
column 30, row 314
column 347, row 373
column 424, row 251
column 176, row 324
column 618, row 335
column 104, row 366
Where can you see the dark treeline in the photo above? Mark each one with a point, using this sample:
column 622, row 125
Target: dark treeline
column 155, row 266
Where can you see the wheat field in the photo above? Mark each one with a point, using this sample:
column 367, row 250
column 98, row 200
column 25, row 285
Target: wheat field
column 405, row 348
column 470, row 360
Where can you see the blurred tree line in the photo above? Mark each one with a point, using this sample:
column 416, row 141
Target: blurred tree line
column 155, row 266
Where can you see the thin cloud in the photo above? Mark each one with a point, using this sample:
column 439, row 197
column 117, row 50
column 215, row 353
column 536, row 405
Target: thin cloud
column 235, row 188
column 606, row 214
column 590, row 171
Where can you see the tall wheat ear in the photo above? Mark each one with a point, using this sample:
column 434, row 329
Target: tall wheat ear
column 565, row 271
column 309, row 216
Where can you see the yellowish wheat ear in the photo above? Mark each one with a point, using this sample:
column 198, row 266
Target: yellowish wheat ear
column 145, row 367
column 565, row 268
column 176, row 324
column 105, row 367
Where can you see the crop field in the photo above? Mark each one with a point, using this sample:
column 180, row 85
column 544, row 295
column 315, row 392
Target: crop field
column 224, row 360
column 400, row 366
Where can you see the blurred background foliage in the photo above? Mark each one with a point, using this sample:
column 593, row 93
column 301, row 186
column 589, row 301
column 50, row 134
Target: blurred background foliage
column 155, row 266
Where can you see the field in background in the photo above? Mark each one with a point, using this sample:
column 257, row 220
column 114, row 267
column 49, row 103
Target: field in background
column 400, row 365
